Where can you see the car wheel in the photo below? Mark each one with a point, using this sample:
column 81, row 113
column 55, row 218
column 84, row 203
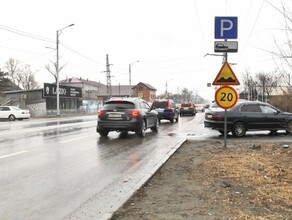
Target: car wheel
column 171, row 120
column 11, row 118
column 124, row 134
column 289, row 127
column 239, row 129
column 273, row 132
column 142, row 130
column 103, row 133
column 156, row 126
column 222, row 132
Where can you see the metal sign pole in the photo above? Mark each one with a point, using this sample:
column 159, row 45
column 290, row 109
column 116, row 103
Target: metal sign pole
column 225, row 112
column 225, row 128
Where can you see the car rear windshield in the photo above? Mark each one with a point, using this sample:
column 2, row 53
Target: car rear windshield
column 118, row 105
column 162, row 104
column 186, row 105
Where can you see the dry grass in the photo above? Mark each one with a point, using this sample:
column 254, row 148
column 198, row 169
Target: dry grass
column 262, row 175
column 250, row 180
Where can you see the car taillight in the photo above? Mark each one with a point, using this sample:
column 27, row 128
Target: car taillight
column 134, row 113
column 99, row 113
column 168, row 106
column 217, row 117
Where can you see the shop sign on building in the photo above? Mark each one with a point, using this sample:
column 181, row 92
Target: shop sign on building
column 50, row 90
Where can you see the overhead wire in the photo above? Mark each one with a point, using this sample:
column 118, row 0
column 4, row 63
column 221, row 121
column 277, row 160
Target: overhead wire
column 29, row 35
column 25, row 34
column 200, row 26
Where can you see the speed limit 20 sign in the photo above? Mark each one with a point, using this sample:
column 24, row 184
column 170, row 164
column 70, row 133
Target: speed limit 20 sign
column 226, row 97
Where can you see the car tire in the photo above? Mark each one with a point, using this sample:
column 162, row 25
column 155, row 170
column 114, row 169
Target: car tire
column 103, row 133
column 289, row 127
column 222, row 132
column 238, row 129
column 171, row 120
column 141, row 132
column 11, row 117
column 156, row 126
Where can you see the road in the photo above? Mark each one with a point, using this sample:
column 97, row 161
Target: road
column 60, row 168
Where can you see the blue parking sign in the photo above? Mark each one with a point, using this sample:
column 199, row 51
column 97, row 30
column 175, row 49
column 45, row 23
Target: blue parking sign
column 225, row 27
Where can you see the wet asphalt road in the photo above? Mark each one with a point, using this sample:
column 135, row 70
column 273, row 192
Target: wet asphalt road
column 60, row 168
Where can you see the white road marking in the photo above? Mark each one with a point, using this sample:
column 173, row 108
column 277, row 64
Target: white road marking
column 74, row 139
column 10, row 155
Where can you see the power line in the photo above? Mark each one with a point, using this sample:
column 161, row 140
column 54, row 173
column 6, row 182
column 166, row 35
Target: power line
column 25, row 34
column 82, row 55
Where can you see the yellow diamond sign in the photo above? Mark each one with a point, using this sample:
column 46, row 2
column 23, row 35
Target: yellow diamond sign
column 226, row 76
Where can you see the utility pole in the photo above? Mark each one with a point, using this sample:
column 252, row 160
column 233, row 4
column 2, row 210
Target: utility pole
column 58, row 32
column 130, row 89
column 108, row 79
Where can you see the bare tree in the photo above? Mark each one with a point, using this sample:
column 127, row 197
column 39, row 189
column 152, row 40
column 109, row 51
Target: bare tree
column 4, row 81
column 23, row 76
column 28, row 78
column 250, row 86
column 284, row 53
column 186, row 94
column 13, row 70
column 52, row 68
column 267, row 82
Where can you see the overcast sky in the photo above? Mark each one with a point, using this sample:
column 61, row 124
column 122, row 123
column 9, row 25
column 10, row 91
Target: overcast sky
column 169, row 37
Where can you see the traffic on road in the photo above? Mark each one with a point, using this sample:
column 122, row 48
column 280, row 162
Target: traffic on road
column 61, row 168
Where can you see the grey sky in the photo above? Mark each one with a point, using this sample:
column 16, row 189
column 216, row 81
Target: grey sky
column 169, row 37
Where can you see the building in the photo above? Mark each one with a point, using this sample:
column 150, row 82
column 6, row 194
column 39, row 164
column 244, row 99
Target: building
column 76, row 95
column 144, row 91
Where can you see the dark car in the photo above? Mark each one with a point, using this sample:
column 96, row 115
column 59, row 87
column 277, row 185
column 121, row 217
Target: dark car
column 166, row 109
column 249, row 116
column 187, row 108
column 126, row 114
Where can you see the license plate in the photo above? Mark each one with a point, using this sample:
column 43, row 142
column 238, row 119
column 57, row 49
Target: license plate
column 114, row 115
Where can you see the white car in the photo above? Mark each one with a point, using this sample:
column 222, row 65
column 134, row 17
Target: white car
column 200, row 107
column 12, row 113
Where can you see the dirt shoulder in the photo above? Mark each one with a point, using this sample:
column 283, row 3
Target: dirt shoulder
column 202, row 180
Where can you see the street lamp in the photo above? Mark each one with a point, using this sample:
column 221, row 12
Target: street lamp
column 130, row 93
column 58, row 32
column 166, row 93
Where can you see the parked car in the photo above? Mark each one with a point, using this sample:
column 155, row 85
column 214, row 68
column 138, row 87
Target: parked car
column 249, row 116
column 167, row 109
column 187, row 108
column 12, row 112
column 126, row 114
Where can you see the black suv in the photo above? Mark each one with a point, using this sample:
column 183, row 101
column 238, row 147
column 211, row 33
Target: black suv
column 187, row 108
column 166, row 109
column 126, row 114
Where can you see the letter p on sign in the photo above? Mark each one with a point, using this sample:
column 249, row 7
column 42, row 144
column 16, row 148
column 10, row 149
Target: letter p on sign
column 225, row 27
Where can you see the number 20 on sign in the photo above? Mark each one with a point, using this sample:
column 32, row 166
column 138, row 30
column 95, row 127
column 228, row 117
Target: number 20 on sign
column 226, row 97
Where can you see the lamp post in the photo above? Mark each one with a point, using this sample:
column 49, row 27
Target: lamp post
column 130, row 93
column 58, row 32
column 166, row 93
